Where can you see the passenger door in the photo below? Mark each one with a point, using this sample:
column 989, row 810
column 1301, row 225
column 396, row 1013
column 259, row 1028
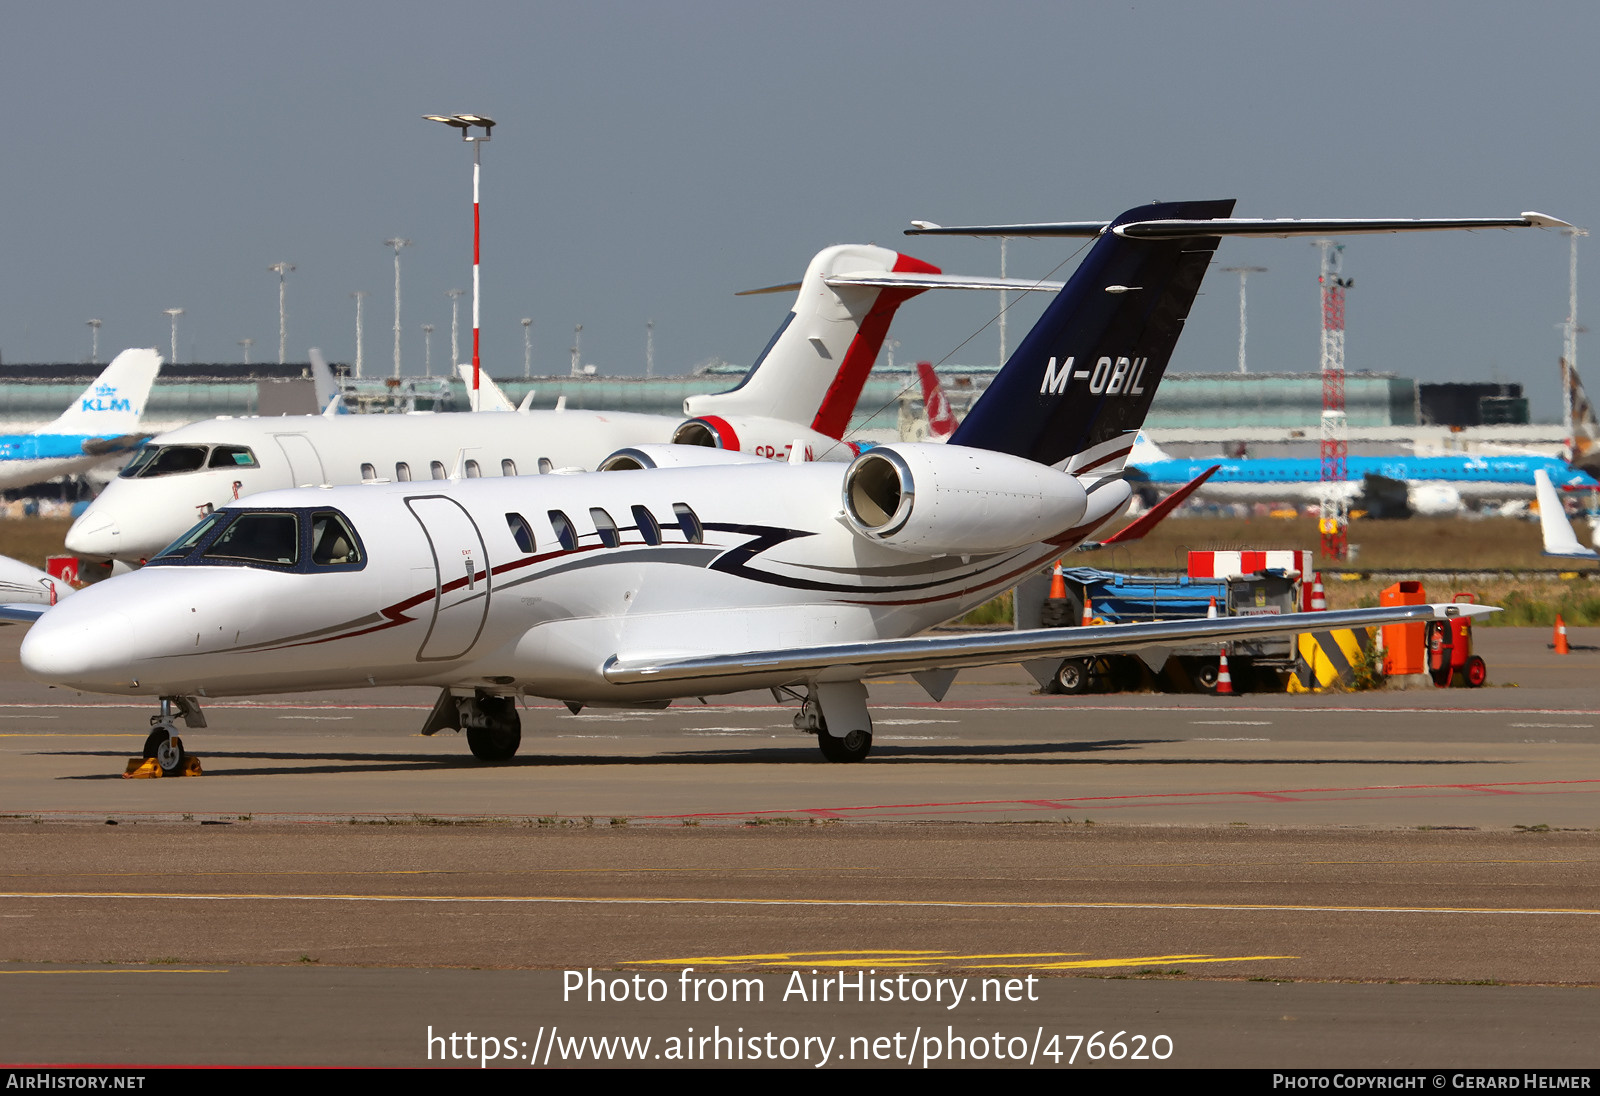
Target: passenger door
column 461, row 578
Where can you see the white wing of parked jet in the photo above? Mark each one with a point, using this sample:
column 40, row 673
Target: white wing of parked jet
column 1559, row 539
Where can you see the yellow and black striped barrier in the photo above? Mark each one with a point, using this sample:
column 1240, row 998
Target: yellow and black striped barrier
column 1329, row 659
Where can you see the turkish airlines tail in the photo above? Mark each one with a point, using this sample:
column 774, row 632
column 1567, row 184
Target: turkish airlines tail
column 941, row 420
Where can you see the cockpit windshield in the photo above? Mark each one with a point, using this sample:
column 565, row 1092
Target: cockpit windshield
column 172, row 460
column 298, row 540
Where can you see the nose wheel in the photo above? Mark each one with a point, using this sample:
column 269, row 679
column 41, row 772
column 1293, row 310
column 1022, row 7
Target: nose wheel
column 163, row 753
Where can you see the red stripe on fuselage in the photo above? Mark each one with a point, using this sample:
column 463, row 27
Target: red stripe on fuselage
column 843, row 394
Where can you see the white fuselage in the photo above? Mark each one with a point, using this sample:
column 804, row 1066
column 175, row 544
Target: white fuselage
column 749, row 557
column 139, row 514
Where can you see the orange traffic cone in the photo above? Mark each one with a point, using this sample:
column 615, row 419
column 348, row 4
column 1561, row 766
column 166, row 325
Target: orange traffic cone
column 1224, row 679
column 1058, row 583
column 1088, row 607
column 1319, row 599
column 1211, row 610
column 1561, row 636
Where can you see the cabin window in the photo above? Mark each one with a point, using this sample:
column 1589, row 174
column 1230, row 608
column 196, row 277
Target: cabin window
column 259, row 537
column 473, row 471
column 605, row 527
column 232, row 456
column 437, row 468
column 693, row 533
column 649, row 528
column 369, row 473
column 332, row 542
column 565, row 533
column 521, row 532
column 402, row 472
column 508, row 467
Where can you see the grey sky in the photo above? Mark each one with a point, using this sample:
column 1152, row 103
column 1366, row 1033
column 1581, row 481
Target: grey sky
column 652, row 158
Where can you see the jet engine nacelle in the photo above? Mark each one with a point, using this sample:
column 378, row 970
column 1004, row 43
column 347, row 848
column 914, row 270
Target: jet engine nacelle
column 949, row 499
column 672, row 456
column 1433, row 499
column 770, row 438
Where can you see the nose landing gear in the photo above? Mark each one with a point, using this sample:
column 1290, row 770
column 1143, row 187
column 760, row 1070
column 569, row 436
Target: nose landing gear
column 163, row 753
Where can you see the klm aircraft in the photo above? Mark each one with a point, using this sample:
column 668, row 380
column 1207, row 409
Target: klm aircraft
column 101, row 424
column 1427, row 485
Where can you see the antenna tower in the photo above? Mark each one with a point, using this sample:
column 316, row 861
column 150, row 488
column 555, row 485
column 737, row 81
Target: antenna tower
column 1334, row 513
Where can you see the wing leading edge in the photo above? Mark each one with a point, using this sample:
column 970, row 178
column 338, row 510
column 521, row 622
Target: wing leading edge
column 854, row 661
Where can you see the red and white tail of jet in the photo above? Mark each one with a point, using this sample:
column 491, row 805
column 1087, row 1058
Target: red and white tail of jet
column 941, row 420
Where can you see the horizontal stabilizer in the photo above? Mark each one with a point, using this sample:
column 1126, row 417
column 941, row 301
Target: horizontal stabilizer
column 1152, row 517
column 880, row 658
column 1274, row 227
column 885, row 280
column 942, row 281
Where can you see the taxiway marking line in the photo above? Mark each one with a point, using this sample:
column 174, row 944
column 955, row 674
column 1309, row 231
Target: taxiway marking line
column 104, row 970
column 896, row 903
column 1108, row 801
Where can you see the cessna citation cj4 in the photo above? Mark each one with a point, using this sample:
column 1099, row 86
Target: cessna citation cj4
column 699, row 571
column 801, row 392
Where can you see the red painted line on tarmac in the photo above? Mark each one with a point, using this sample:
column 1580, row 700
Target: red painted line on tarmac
column 1287, row 795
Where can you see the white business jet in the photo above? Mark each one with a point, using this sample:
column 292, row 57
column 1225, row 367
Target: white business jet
column 801, row 391
column 699, row 572
column 101, row 424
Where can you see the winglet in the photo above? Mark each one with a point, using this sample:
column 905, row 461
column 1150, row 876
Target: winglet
column 1559, row 539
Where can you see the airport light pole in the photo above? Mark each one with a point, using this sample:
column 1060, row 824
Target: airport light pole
column 94, row 341
column 455, row 326
column 247, row 344
column 359, row 295
column 282, row 269
column 527, row 347
column 1244, row 272
column 1569, row 347
column 577, row 349
column 427, row 349
column 649, row 349
column 466, row 123
column 174, row 313
column 397, row 243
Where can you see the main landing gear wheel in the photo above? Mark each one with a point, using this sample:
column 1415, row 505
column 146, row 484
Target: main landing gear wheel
column 1072, row 677
column 501, row 733
column 852, row 747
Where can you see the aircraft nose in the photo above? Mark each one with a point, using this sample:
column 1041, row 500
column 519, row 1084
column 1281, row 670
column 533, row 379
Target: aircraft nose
column 93, row 535
column 65, row 648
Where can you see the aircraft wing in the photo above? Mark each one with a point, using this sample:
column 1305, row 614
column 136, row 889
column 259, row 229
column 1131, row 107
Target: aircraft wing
column 21, row 614
column 1559, row 539
column 879, row 658
column 105, row 447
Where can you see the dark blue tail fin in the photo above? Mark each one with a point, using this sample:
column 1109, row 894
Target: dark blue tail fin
column 1078, row 388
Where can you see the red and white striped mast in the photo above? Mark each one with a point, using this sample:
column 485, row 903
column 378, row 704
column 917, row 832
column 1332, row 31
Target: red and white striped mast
column 466, row 123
